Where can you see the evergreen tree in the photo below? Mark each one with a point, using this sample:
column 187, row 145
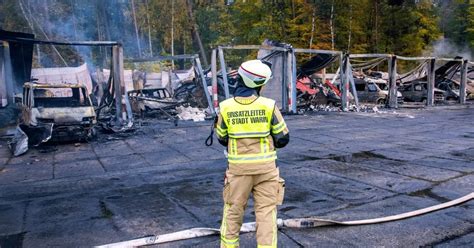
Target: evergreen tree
column 405, row 27
column 459, row 26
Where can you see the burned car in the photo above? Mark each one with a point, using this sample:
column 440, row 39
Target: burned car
column 313, row 88
column 311, row 91
column 373, row 90
column 67, row 107
column 417, row 91
column 452, row 87
column 151, row 99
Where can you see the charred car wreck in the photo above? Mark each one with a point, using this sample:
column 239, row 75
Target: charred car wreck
column 67, row 108
column 446, row 82
column 59, row 112
column 373, row 90
column 417, row 91
column 313, row 89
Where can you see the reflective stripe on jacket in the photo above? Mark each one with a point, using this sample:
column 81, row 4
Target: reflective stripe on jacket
column 248, row 125
column 247, row 120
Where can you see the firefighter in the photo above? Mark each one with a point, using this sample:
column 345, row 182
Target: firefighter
column 251, row 127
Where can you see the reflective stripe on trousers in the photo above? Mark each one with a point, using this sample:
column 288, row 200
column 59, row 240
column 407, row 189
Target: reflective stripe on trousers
column 227, row 243
column 252, row 158
column 265, row 188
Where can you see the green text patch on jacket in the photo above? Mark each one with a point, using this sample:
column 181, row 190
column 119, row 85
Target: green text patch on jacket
column 248, row 120
column 247, row 117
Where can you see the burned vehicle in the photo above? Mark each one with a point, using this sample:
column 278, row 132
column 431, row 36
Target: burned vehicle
column 451, row 88
column 67, row 107
column 417, row 91
column 311, row 91
column 373, row 90
column 378, row 74
column 165, row 90
column 446, row 81
column 151, row 99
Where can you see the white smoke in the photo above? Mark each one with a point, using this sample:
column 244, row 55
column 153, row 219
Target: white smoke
column 85, row 20
column 445, row 48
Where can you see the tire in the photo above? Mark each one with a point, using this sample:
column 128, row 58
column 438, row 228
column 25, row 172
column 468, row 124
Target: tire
column 92, row 135
column 381, row 101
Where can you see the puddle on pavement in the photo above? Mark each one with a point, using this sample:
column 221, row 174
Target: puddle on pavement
column 468, row 135
column 462, row 155
column 145, row 193
column 307, row 158
column 113, row 197
column 428, row 193
column 354, row 157
column 286, row 209
column 358, row 156
column 411, row 148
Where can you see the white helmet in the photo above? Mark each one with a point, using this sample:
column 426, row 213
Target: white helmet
column 255, row 73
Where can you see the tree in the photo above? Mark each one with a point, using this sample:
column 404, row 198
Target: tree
column 408, row 27
column 458, row 24
column 470, row 26
column 405, row 27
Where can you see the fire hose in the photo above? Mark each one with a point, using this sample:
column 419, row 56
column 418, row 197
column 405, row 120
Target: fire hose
column 292, row 223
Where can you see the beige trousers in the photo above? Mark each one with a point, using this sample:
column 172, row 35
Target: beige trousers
column 267, row 190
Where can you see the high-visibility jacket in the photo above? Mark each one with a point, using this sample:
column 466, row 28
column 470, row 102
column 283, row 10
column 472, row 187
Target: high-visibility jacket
column 250, row 125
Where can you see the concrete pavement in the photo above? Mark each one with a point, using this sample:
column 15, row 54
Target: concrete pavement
column 161, row 179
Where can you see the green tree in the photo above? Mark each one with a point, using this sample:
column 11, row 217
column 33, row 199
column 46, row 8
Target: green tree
column 409, row 27
column 11, row 18
column 470, row 26
column 459, row 23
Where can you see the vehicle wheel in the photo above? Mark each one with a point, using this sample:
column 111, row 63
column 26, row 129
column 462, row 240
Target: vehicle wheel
column 92, row 135
column 381, row 102
column 424, row 101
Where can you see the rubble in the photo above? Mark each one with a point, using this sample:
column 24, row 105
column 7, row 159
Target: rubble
column 29, row 136
column 19, row 144
column 352, row 108
column 447, row 81
column 190, row 113
column 151, row 99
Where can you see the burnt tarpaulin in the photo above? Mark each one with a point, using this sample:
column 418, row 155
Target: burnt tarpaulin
column 317, row 63
column 30, row 136
column 38, row 134
column 19, row 144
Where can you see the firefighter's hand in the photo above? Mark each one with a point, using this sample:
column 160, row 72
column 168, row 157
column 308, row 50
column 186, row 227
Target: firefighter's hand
column 215, row 121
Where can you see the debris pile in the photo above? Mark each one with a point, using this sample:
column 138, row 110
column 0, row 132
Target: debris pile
column 447, row 83
column 26, row 136
column 19, row 144
column 351, row 108
column 190, row 113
